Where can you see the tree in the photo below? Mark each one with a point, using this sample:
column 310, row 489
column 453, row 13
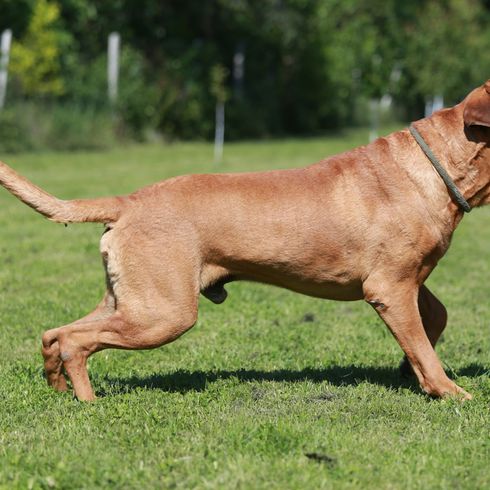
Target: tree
column 15, row 15
column 35, row 58
column 448, row 49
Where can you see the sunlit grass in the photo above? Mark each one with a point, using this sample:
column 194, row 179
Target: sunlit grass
column 261, row 382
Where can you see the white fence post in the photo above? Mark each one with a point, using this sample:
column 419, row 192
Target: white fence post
column 433, row 104
column 238, row 69
column 113, row 48
column 4, row 62
column 219, row 135
column 374, row 109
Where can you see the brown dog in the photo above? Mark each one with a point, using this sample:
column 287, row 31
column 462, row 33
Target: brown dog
column 368, row 224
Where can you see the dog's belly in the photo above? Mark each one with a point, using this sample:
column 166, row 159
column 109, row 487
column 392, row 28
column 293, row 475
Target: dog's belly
column 319, row 283
column 327, row 290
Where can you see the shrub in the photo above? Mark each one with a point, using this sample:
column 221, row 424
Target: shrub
column 29, row 126
column 15, row 133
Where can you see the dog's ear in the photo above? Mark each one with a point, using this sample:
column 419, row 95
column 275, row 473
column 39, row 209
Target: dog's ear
column 477, row 107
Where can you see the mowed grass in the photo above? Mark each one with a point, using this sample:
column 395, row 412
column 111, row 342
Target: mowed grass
column 269, row 390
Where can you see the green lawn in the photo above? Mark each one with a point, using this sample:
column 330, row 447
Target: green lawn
column 261, row 382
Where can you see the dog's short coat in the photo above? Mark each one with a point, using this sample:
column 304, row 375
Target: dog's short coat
column 367, row 224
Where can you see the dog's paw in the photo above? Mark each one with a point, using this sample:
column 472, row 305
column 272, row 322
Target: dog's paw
column 460, row 395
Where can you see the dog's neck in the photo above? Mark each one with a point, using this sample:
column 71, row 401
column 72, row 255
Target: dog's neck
column 462, row 152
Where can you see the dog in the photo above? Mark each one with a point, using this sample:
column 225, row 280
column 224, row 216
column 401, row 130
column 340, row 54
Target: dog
column 369, row 224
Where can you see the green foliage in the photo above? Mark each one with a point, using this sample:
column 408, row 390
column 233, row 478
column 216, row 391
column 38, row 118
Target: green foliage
column 241, row 399
column 448, row 54
column 15, row 15
column 35, row 59
column 310, row 65
column 15, row 130
column 86, row 85
column 218, row 83
column 42, row 126
column 361, row 42
column 137, row 100
column 72, row 127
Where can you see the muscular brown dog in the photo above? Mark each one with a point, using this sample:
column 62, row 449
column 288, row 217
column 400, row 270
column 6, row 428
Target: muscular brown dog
column 368, row 224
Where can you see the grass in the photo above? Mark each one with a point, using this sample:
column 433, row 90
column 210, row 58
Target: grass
column 269, row 390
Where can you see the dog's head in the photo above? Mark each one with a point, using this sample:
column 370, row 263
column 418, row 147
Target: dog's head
column 476, row 116
column 477, row 107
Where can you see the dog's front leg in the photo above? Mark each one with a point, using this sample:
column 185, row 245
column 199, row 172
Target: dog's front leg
column 434, row 319
column 397, row 304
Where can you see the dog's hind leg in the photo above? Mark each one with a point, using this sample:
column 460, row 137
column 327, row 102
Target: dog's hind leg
column 151, row 300
column 149, row 311
column 79, row 340
column 433, row 313
column 53, row 364
column 434, row 319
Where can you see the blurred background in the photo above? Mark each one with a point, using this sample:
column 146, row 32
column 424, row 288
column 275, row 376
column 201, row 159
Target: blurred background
column 89, row 74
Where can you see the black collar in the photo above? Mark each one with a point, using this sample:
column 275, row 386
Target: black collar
column 451, row 186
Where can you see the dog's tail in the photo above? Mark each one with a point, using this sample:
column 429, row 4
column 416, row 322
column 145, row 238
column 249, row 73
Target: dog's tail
column 102, row 210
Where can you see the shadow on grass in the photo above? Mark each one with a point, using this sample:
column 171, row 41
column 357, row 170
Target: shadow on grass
column 473, row 370
column 182, row 381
